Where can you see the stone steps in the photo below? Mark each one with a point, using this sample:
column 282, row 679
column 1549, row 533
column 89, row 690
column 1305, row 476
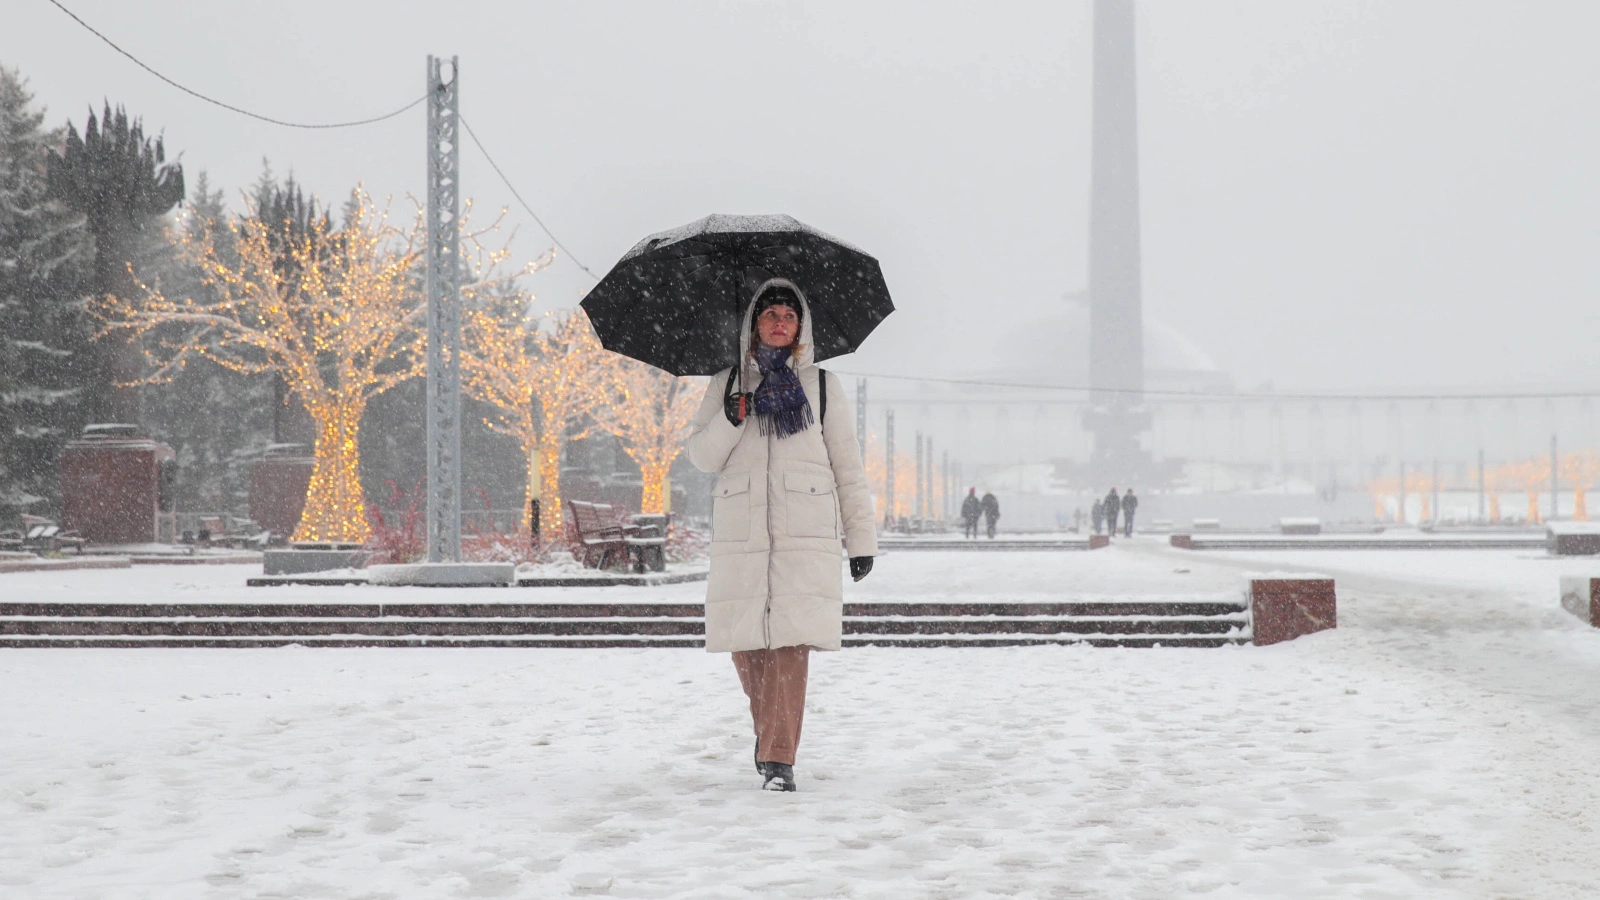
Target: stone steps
column 1145, row 623
column 113, row 642
column 400, row 627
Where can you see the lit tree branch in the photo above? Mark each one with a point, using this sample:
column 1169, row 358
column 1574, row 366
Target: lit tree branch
column 650, row 411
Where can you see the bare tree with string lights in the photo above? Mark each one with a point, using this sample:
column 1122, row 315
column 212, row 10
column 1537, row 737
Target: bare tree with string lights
column 650, row 412
column 543, row 376
column 336, row 312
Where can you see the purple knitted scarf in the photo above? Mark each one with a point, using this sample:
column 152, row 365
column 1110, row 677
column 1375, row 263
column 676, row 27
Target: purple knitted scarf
column 781, row 404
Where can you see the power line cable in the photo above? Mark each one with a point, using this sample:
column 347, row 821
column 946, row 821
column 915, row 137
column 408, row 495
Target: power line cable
column 228, row 106
column 1224, row 395
column 515, row 193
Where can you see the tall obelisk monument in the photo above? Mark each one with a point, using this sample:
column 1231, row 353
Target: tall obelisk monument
column 1116, row 324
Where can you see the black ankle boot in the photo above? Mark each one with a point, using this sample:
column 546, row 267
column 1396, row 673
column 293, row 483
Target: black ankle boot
column 779, row 777
column 761, row 767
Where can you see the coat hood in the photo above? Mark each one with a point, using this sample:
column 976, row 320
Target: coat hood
column 807, row 354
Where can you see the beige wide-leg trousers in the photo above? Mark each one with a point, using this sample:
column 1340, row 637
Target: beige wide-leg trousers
column 775, row 682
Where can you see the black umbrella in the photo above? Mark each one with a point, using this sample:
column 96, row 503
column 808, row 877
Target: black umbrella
column 676, row 300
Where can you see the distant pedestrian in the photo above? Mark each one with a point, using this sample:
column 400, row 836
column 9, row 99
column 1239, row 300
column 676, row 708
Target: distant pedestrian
column 971, row 510
column 1129, row 504
column 1112, row 505
column 1077, row 520
column 1097, row 512
column 991, row 512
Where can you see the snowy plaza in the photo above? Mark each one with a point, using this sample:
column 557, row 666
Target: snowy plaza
column 1438, row 743
column 1109, row 450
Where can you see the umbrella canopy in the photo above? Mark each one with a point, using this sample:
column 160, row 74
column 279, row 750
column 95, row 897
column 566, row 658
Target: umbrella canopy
column 677, row 298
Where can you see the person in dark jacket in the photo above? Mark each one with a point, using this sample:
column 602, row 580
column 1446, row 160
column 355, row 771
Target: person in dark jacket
column 971, row 509
column 1129, row 504
column 1097, row 513
column 991, row 512
column 1112, row 505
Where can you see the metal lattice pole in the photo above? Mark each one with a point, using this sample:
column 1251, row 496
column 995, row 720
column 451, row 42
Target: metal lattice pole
column 1555, row 481
column 444, row 312
column 888, row 469
column 949, row 489
column 861, row 415
column 917, row 496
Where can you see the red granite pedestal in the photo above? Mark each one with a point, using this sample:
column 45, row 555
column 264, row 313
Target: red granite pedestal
column 1284, row 608
column 1096, row 541
column 278, row 485
column 116, row 487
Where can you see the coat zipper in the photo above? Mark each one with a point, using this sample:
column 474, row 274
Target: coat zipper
column 766, row 609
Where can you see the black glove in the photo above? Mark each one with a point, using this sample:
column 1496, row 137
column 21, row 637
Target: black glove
column 860, row 566
column 730, row 407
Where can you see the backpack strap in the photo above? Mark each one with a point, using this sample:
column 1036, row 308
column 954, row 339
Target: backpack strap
column 822, row 394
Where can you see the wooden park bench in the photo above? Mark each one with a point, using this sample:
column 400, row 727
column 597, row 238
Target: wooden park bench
column 217, row 531
column 599, row 534
column 45, row 536
column 646, row 537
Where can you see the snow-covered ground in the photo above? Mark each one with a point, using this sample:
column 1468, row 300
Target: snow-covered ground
column 1441, row 743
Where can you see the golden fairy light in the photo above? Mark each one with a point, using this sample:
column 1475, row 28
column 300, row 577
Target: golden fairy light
column 905, row 477
column 542, row 383
column 1580, row 470
column 335, row 312
column 1381, row 490
column 650, row 412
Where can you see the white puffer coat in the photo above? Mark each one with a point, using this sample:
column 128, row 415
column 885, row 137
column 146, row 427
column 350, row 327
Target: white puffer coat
column 779, row 510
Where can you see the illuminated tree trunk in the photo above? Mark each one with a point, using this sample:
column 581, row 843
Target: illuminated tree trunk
column 1494, row 506
column 335, row 508
column 531, row 485
column 653, row 499
column 1580, row 503
column 1533, row 506
column 550, row 512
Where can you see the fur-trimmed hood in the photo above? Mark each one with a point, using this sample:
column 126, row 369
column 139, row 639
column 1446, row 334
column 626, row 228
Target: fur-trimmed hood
column 807, row 354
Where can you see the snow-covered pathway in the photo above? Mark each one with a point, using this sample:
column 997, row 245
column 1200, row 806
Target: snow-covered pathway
column 1483, row 634
column 1386, row 759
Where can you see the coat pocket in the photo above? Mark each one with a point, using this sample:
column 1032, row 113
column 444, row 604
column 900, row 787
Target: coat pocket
column 730, row 508
column 809, row 505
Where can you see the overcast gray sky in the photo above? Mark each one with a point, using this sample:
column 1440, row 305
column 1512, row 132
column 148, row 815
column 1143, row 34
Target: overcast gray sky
column 1335, row 195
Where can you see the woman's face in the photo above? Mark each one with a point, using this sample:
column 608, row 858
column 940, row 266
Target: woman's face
column 777, row 326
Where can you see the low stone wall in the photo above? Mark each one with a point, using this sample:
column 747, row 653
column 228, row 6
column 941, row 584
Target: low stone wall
column 1283, row 608
column 1573, row 542
column 300, row 562
column 39, row 564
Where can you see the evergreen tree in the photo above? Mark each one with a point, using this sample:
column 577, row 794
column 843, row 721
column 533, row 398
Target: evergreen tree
column 45, row 256
column 121, row 183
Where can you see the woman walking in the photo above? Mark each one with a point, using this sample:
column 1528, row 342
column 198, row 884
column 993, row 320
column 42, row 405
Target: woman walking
column 788, row 487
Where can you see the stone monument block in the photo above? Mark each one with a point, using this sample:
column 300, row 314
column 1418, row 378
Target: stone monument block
column 1284, row 607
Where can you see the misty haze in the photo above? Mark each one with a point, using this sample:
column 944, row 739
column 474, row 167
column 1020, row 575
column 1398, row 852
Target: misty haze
column 1180, row 416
